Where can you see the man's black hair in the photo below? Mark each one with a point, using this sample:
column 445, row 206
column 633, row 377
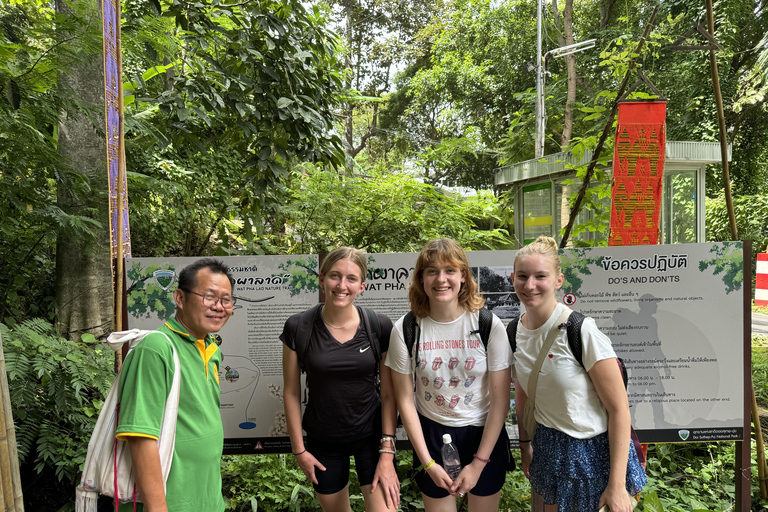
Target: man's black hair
column 188, row 276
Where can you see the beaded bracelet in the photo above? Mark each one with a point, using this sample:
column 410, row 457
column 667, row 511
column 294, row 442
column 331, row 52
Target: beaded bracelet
column 386, row 438
column 383, row 450
column 484, row 461
column 429, row 464
column 297, row 454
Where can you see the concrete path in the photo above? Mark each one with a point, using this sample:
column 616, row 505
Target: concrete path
column 759, row 323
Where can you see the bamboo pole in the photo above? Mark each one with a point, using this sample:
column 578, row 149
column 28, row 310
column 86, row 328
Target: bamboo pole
column 121, row 192
column 10, row 477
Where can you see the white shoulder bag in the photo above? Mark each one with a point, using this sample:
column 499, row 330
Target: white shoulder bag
column 108, row 464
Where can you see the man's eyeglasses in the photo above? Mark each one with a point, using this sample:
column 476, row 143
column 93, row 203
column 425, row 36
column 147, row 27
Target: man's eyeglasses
column 210, row 300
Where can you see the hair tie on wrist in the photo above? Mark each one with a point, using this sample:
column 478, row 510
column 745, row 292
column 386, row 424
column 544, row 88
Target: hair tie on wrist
column 484, row 461
column 429, row 464
column 297, row 454
column 524, row 441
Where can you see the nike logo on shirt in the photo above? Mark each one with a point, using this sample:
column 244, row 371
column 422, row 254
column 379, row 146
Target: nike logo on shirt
column 364, row 349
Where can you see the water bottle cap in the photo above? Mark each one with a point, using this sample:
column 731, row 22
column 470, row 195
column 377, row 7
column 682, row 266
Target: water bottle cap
column 447, row 439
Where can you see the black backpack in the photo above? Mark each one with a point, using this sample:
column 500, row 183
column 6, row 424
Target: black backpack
column 573, row 332
column 303, row 332
column 410, row 326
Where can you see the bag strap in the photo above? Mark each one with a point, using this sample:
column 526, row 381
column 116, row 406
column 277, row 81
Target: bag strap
column 372, row 325
column 534, row 378
column 303, row 332
column 485, row 322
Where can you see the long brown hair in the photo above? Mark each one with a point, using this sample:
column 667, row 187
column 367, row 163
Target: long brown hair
column 447, row 252
column 342, row 253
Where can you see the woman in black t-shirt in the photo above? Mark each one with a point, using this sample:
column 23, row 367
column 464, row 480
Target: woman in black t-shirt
column 344, row 415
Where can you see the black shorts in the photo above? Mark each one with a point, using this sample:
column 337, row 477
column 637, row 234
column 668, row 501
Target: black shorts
column 467, row 440
column 335, row 457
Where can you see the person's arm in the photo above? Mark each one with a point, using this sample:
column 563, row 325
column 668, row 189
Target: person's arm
column 526, row 450
column 385, row 469
column 403, row 383
column 607, row 379
column 499, row 382
column 149, row 475
column 292, row 406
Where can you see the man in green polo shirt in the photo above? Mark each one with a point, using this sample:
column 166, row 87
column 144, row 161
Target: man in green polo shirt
column 204, row 303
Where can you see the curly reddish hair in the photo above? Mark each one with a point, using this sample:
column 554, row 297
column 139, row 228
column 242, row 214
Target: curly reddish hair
column 447, row 252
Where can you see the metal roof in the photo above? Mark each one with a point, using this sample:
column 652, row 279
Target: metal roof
column 680, row 155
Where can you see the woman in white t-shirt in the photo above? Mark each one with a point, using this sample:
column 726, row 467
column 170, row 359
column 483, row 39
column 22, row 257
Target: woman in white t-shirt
column 580, row 458
column 461, row 386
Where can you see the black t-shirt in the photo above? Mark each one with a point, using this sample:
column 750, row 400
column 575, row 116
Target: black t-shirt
column 343, row 402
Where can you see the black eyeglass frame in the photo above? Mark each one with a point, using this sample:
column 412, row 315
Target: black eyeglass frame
column 232, row 299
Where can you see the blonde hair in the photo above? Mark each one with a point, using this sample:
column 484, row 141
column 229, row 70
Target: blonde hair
column 447, row 252
column 342, row 253
column 544, row 245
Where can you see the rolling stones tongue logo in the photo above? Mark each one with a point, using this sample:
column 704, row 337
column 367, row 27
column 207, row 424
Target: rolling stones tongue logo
column 440, row 400
column 469, row 363
column 469, row 381
column 454, row 401
column 427, row 396
column 454, row 382
column 438, row 382
column 468, row 398
column 453, row 363
column 436, row 364
column 425, row 381
column 422, row 364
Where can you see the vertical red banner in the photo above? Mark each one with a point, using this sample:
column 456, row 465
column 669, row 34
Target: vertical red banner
column 638, row 169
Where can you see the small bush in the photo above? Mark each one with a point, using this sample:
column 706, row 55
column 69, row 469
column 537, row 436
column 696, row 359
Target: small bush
column 57, row 389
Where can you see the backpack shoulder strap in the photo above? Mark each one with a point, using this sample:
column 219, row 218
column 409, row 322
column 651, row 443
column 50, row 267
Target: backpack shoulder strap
column 373, row 327
column 303, row 333
column 573, row 329
column 486, row 322
column 409, row 332
column 512, row 333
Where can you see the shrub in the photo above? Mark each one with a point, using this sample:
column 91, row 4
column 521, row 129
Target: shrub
column 57, row 389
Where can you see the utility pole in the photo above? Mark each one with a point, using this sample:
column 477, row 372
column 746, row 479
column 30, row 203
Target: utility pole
column 541, row 69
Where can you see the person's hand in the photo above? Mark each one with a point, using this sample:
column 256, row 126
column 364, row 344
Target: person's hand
column 308, row 463
column 441, row 478
column 526, row 454
column 616, row 498
column 387, row 476
column 467, row 479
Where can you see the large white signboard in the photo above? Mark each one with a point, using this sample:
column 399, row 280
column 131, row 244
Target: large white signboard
column 674, row 313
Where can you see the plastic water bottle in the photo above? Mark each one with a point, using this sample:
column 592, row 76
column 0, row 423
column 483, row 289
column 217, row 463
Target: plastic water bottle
column 451, row 460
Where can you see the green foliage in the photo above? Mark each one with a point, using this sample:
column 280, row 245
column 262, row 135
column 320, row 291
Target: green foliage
column 382, row 213
column 304, row 275
column 760, row 374
column 145, row 296
column 276, row 482
column 57, row 389
column 729, row 261
column 751, row 213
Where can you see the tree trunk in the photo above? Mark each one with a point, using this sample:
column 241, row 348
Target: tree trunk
column 83, row 270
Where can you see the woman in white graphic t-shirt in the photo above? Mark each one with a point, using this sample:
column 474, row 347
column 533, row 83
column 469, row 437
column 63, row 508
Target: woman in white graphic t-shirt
column 461, row 386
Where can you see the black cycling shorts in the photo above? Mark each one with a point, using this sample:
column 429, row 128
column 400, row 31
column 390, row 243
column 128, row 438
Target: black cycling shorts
column 335, row 457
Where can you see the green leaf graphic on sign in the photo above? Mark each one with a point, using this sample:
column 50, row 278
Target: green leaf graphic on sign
column 304, row 275
column 729, row 261
column 151, row 291
column 575, row 263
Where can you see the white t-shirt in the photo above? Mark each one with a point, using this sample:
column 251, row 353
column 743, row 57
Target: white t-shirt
column 452, row 384
column 565, row 398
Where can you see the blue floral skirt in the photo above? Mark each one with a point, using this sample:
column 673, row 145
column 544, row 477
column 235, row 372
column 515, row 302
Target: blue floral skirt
column 573, row 473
